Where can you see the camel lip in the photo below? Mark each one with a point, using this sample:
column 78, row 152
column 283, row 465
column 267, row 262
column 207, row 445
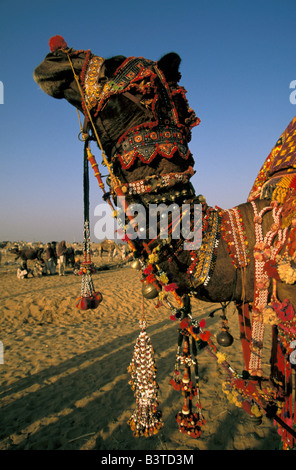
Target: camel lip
column 49, row 84
column 43, row 77
column 36, row 77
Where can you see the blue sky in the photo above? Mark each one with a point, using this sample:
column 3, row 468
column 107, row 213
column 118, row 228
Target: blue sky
column 238, row 60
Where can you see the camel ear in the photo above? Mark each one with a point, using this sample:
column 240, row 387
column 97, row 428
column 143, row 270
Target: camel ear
column 111, row 65
column 169, row 65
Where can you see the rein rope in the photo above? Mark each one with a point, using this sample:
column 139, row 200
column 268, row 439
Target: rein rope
column 115, row 182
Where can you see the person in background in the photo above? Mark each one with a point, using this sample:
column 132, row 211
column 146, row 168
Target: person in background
column 61, row 254
column 50, row 264
column 23, row 271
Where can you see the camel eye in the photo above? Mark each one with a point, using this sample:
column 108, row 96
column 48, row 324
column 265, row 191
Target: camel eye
column 59, row 53
column 54, row 55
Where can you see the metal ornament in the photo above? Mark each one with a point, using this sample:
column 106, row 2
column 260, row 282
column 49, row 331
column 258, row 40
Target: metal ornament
column 224, row 338
column 149, row 291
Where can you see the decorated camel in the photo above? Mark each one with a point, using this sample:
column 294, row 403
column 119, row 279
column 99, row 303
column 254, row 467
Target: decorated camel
column 138, row 115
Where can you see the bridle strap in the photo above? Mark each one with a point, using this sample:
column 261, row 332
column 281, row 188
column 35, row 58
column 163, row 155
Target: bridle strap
column 115, row 182
column 88, row 114
column 135, row 100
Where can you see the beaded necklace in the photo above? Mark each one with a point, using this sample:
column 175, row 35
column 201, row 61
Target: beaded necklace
column 233, row 233
column 263, row 250
column 203, row 260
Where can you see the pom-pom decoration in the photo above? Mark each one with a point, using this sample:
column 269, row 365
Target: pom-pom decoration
column 89, row 302
column 57, row 42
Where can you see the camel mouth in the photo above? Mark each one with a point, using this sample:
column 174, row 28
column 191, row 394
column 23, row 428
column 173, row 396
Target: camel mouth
column 53, row 81
column 50, row 85
column 42, row 74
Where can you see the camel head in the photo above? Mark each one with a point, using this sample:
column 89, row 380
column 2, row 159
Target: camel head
column 55, row 75
column 140, row 112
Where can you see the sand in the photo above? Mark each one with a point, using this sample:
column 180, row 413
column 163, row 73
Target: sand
column 64, row 380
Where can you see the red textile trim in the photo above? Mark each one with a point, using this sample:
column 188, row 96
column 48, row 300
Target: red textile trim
column 245, row 331
column 134, row 154
column 133, row 130
column 192, row 119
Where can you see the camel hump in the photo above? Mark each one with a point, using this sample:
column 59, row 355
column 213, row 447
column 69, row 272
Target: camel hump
column 277, row 176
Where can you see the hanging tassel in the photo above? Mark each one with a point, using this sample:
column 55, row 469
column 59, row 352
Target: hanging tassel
column 190, row 422
column 89, row 299
column 146, row 419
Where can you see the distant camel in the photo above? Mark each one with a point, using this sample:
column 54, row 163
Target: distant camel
column 108, row 246
column 26, row 254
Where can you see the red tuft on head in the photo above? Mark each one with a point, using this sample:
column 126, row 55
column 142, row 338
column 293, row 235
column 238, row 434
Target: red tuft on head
column 57, row 42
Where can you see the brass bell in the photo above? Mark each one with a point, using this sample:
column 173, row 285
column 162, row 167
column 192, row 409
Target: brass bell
column 256, row 420
column 136, row 264
column 224, row 339
column 201, row 198
column 149, row 291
